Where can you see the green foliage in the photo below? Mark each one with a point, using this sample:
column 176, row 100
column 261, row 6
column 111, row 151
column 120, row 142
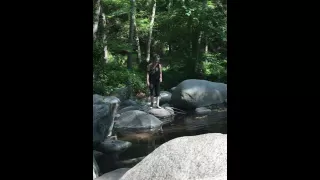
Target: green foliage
column 98, row 55
column 114, row 75
column 214, row 68
column 173, row 76
column 177, row 26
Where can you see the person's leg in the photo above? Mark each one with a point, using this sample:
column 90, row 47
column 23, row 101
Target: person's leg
column 151, row 101
column 157, row 93
column 151, row 88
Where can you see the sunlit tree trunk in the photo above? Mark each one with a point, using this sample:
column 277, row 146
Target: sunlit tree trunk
column 96, row 13
column 136, row 33
column 170, row 5
column 131, row 31
column 205, row 4
column 104, row 35
column 101, row 34
column 206, row 45
column 150, row 29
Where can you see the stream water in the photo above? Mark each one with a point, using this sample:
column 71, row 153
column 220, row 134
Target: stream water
column 144, row 143
column 182, row 125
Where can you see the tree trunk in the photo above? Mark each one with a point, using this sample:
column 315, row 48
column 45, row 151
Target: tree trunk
column 170, row 5
column 150, row 29
column 101, row 34
column 138, row 46
column 105, row 53
column 104, row 35
column 190, row 36
column 190, row 28
column 96, row 14
column 206, row 45
column 131, row 30
column 198, row 51
column 136, row 33
column 205, row 5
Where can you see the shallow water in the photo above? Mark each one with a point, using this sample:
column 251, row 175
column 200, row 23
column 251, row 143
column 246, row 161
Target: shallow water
column 182, row 125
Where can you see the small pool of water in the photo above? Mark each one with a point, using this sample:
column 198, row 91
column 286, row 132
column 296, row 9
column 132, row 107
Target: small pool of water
column 182, row 125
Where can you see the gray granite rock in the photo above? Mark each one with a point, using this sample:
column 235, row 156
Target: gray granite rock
column 165, row 97
column 202, row 111
column 103, row 119
column 113, row 175
column 128, row 102
column 165, row 105
column 97, row 154
column 172, row 89
column 96, row 170
column 161, row 113
column 137, row 121
column 98, row 99
column 113, row 146
column 201, row 157
column 194, row 93
column 129, row 108
column 121, row 93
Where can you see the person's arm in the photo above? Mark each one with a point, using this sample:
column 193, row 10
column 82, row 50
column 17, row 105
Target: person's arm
column 160, row 68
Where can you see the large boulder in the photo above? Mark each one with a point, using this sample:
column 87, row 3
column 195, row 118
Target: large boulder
column 165, row 97
column 111, row 100
column 201, row 157
column 202, row 111
column 113, row 175
column 97, row 154
column 137, row 121
column 128, row 102
column 104, row 110
column 129, row 108
column 98, row 99
column 165, row 105
column 121, row 93
column 107, row 163
column 162, row 113
column 113, row 146
column 96, row 171
column 194, row 93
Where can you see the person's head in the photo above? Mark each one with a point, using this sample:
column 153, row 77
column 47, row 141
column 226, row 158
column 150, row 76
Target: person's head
column 156, row 59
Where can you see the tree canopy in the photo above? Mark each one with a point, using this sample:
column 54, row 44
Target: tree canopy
column 189, row 35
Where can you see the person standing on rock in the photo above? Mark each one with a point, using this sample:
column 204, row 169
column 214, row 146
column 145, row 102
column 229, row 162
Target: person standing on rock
column 154, row 78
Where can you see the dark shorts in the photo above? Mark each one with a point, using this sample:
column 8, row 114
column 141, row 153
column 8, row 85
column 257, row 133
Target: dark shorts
column 154, row 88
